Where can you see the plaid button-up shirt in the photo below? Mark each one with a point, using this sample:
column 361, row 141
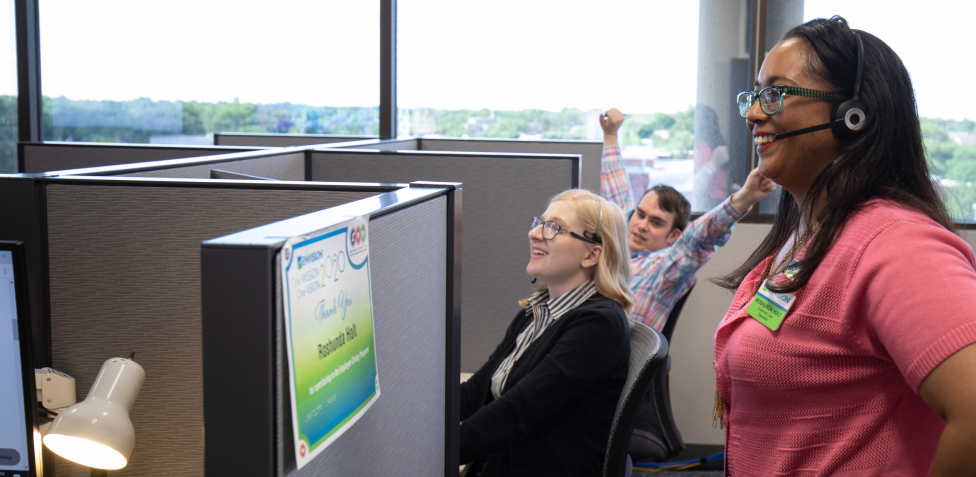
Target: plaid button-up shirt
column 658, row 279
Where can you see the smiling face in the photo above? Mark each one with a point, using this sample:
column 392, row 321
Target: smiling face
column 564, row 262
column 651, row 227
column 796, row 161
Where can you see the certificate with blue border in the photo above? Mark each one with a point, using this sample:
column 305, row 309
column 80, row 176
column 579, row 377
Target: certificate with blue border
column 329, row 331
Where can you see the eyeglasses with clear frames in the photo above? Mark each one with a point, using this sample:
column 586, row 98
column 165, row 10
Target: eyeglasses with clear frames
column 550, row 229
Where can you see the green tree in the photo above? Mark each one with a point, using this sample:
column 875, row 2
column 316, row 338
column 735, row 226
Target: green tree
column 234, row 116
column 192, row 119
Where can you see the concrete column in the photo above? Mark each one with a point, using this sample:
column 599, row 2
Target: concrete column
column 723, row 58
column 781, row 15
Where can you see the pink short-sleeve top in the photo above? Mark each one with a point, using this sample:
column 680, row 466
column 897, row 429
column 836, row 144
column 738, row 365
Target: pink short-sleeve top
column 833, row 390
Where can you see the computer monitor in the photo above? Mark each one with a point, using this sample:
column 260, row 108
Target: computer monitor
column 20, row 441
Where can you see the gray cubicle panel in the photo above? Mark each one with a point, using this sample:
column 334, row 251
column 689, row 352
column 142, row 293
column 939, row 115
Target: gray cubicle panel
column 502, row 193
column 120, row 267
column 283, row 164
column 414, row 270
column 34, row 157
column 591, row 152
column 281, row 140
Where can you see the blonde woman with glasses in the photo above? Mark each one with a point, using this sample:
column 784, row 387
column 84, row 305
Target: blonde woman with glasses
column 543, row 404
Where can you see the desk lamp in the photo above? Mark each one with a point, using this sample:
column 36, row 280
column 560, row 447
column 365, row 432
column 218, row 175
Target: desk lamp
column 97, row 432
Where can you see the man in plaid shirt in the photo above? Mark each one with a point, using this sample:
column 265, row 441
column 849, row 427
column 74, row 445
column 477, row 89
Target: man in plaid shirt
column 667, row 251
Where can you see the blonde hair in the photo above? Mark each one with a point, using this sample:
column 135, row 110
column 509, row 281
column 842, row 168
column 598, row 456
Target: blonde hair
column 612, row 273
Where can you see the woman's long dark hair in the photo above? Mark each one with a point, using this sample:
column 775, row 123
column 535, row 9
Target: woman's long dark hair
column 883, row 160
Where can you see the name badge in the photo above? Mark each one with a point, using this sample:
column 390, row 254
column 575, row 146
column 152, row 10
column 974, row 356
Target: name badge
column 770, row 308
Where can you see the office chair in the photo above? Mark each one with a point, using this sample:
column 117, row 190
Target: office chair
column 668, row 329
column 648, row 350
column 656, row 436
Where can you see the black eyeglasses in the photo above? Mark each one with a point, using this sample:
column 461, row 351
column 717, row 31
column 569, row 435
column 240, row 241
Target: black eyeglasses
column 550, row 229
column 771, row 98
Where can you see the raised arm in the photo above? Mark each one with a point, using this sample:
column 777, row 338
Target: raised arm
column 614, row 184
column 658, row 279
column 755, row 189
column 712, row 229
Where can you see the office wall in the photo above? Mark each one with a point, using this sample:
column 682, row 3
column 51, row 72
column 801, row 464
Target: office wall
column 692, row 375
column 125, row 277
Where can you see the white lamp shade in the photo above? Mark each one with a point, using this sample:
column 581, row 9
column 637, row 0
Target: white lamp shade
column 97, row 432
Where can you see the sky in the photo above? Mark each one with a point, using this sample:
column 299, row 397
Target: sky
column 637, row 55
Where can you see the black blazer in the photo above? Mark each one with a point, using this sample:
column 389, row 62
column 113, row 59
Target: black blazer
column 555, row 412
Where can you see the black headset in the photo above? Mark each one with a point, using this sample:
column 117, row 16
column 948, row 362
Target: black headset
column 595, row 236
column 849, row 116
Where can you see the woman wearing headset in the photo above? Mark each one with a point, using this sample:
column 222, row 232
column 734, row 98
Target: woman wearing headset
column 847, row 348
column 544, row 402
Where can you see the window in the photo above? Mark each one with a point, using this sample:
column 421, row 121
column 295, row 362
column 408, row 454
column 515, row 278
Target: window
column 530, row 70
column 8, row 89
column 177, row 71
column 547, row 70
column 935, row 44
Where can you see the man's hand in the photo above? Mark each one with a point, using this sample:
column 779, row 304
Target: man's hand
column 755, row 188
column 610, row 121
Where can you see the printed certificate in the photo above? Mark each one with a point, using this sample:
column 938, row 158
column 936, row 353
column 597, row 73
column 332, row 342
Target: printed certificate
column 329, row 331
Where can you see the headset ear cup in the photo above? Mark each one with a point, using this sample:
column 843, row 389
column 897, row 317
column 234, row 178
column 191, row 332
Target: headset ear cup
column 849, row 117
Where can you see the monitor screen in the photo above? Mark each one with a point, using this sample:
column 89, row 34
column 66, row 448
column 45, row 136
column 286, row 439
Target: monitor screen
column 18, row 406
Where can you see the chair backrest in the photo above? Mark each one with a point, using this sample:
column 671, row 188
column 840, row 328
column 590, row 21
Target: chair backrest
column 668, row 329
column 648, row 350
column 655, row 432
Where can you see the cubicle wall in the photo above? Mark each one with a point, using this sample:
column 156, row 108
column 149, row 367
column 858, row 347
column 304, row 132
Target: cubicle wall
column 590, row 152
column 281, row 140
column 283, row 164
column 117, row 270
column 503, row 192
column 411, row 429
column 34, row 157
